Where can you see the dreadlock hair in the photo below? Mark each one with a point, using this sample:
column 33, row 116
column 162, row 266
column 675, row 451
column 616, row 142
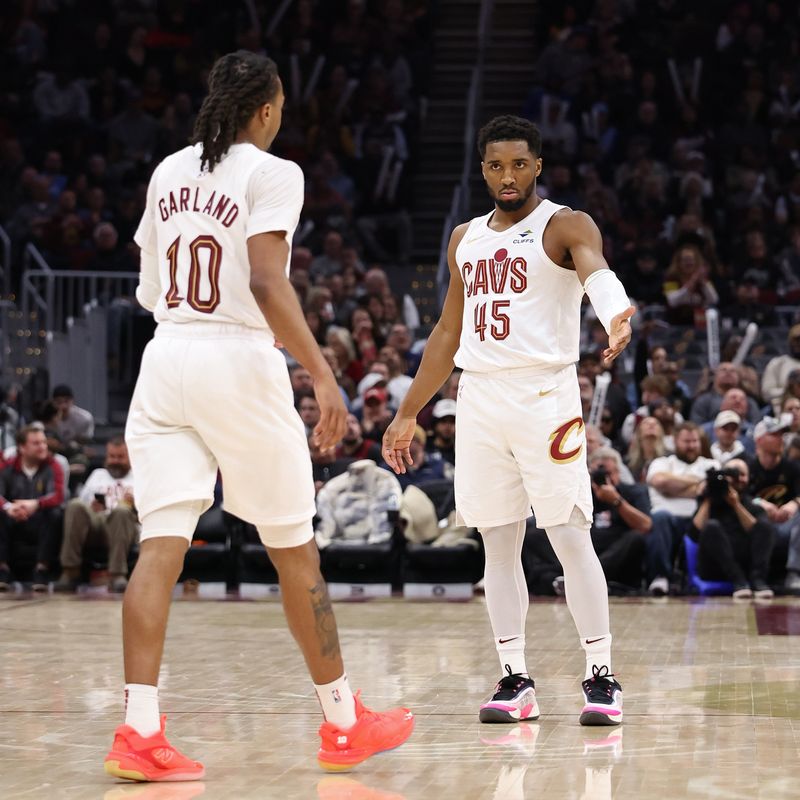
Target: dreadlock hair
column 239, row 83
column 508, row 128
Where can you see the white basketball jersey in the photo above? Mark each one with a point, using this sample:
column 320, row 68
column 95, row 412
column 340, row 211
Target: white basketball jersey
column 195, row 228
column 520, row 308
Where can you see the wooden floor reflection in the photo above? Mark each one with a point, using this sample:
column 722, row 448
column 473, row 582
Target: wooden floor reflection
column 712, row 708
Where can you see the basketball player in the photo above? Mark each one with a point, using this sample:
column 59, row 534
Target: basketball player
column 511, row 322
column 214, row 392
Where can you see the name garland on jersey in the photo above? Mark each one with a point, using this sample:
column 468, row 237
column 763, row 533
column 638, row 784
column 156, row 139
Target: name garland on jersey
column 222, row 211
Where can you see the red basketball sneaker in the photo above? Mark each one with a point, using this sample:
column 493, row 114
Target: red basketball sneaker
column 149, row 759
column 374, row 732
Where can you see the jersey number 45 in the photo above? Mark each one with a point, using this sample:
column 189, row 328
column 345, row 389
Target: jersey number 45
column 497, row 331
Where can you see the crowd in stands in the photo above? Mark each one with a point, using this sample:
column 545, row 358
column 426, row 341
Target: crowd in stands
column 677, row 131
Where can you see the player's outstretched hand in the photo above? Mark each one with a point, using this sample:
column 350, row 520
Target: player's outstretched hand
column 396, row 442
column 620, row 335
column 328, row 432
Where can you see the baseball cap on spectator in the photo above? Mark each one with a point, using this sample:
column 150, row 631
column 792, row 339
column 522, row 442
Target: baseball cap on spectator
column 370, row 380
column 770, row 425
column 375, row 395
column 444, row 408
column 726, row 418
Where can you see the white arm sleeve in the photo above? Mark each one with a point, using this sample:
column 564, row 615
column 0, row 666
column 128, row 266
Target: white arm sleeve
column 607, row 294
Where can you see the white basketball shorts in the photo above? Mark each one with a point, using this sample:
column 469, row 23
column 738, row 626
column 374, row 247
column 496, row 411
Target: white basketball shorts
column 520, row 444
column 214, row 395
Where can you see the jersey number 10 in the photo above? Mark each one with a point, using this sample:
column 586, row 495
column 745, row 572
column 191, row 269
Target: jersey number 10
column 213, row 262
column 498, row 331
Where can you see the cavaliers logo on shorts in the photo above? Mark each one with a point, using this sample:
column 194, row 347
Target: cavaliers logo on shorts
column 565, row 447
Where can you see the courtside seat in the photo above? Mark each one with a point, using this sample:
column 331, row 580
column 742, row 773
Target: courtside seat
column 208, row 558
column 704, row 587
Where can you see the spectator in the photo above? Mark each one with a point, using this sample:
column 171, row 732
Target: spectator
column 355, row 446
column 74, row 425
column 647, row 445
column 735, row 542
column 675, row 482
column 376, row 414
column 748, row 306
column 442, row 443
column 779, row 368
column 399, row 381
column 423, row 468
column 790, row 414
column 329, row 262
column 31, row 497
column 104, row 515
column 654, row 388
column 301, row 379
column 727, row 445
column 687, row 284
column 621, row 517
column 308, row 409
column 707, row 405
column 775, row 484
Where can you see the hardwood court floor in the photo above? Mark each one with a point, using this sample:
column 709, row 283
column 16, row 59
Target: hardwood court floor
column 712, row 707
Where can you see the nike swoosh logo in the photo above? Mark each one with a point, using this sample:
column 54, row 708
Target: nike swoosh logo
column 592, row 641
column 503, row 641
column 544, row 393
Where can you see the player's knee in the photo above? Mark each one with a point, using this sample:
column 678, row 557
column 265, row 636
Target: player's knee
column 287, row 537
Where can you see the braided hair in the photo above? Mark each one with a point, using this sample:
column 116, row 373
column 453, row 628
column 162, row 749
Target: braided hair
column 238, row 85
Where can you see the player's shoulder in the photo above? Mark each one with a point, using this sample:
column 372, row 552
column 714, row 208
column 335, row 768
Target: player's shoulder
column 573, row 220
column 274, row 166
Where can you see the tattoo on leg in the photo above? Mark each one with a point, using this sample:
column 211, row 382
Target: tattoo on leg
column 324, row 621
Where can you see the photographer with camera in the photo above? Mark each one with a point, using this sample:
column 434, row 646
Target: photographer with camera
column 735, row 540
column 621, row 517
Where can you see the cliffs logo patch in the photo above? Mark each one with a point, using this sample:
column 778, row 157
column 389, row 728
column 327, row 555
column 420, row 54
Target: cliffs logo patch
column 562, row 450
column 526, row 237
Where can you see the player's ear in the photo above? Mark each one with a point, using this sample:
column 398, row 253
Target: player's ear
column 538, row 167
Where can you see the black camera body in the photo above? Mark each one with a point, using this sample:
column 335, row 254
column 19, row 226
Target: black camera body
column 717, row 483
column 599, row 475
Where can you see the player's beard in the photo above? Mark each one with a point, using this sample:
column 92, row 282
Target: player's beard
column 513, row 205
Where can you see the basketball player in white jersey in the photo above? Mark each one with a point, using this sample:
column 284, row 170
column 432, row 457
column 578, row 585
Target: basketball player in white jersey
column 214, row 392
column 511, row 322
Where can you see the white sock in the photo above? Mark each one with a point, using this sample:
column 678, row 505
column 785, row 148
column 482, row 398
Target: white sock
column 338, row 703
column 598, row 652
column 511, row 650
column 141, row 708
column 506, row 592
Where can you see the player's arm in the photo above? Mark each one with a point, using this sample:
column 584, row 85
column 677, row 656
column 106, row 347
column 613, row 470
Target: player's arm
column 276, row 297
column 435, row 367
column 148, row 291
column 582, row 238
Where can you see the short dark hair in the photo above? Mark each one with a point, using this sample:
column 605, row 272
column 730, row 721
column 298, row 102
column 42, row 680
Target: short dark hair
column 116, row 441
column 508, row 128
column 62, row 390
column 238, row 84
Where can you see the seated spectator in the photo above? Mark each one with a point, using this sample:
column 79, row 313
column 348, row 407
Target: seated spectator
column 329, row 262
column 74, row 424
column 776, row 374
column 355, row 446
column 654, row 388
column 357, row 507
column 775, row 484
column 790, row 414
column 687, row 287
column 308, row 409
column 399, row 380
column 423, row 468
column 647, row 445
column 748, row 306
column 737, row 401
column 442, row 443
column 31, row 497
column 675, row 482
column 300, row 379
column 621, row 517
column 707, row 405
column 726, row 444
column 104, row 515
column 735, row 541
column 376, row 414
